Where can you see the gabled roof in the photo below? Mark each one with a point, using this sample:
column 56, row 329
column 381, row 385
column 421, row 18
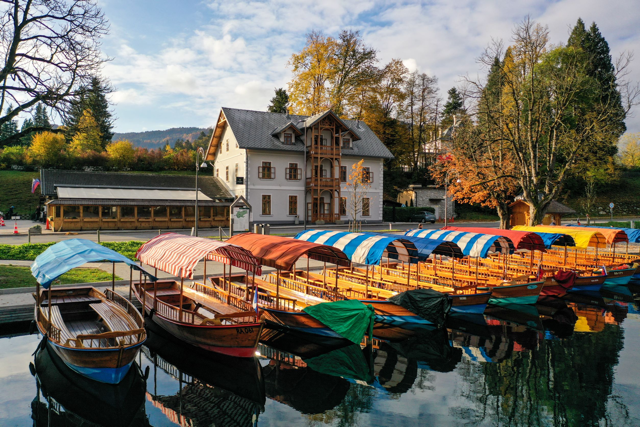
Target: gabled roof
column 254, row 131
column 277, row 131
column 50, row 178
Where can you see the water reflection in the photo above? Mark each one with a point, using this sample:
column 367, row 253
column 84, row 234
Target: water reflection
column 551, row 364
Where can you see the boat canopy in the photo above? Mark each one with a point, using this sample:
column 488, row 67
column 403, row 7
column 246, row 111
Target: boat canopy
column 559, row 239
column 613, row 235
column 364, row 248
column 632, row 233
column 583, row 238
column 178, row 254
column 72, row 253
column 283, row 252
column 472, row 244
column 520, row 239
column 427, row 247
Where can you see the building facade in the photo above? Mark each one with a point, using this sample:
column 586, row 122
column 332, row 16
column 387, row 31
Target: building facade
column 430, row 196
column 291, row 168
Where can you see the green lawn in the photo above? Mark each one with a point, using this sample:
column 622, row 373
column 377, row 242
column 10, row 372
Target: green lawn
column 12, row 276
column 29, row 251
column 16, row 191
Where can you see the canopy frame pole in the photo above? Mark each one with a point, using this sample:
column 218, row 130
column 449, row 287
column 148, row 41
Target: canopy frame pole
column 113, row 277
column 144, row 307
column 38, row 297
column 181, row 295
column 50, row 323
column 565, row 255
column 204, row 275
column 325, row 274
column 278, row 289
column 155, row 295
column 307, row 266
column 477, row 268
column 255, row 288
column 144, row 292
column 453, row 270
column 131, row 281
column 337, row 282
column 366, row 284
column 246, row 282
column 627, row 252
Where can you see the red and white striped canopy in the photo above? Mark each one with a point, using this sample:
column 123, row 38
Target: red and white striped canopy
column 178, row 254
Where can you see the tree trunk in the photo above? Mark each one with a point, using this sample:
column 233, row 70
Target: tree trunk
column 503, row 213
column 537, row 212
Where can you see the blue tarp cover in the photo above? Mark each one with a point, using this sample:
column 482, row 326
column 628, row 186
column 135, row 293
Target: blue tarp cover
column 551, row 239
column 69, row 254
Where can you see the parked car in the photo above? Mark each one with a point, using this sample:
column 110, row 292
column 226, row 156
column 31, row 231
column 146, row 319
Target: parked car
column 424, row 216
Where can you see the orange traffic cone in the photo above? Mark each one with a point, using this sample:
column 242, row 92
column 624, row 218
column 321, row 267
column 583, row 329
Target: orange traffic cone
column 15, row 228
column 1, row 222
column 48, row 227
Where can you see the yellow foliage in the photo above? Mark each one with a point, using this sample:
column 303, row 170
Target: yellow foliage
column 121, row 153
column 630, row 149
column 46, row 148
column 88, row 137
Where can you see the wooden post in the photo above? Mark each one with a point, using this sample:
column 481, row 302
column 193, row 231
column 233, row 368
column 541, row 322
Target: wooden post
column 113, row 277
column 155, row 295
column 453, row 270
column 50, row 286
column 204, row 275
column 477, row 266
column 278, row 288
column 325, row 275
column 565, row 254
column 130, row 282
column 144, row 292
column 366, row 286
column 336, row 282
column 181, row 288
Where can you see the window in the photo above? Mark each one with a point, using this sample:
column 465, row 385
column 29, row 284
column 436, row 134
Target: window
column 175, row 212
column 346, row 143
column 160, row 212
column 266, row 171
column 343, row 174
column 189, row 211
column 227, row 173
column 127, row 212
column 217, row 173
column 144, row 212
column 266, row 204
column 204, row 212
column 227, row 145
column 293, row 172
column 343, row 205
column 288, row 138
column 367, row 176
column 109, row 212
column 365, row 206
column 236, row 175
column 71, row 212
column 91, row 212
column 220, row 212
column 293, row 205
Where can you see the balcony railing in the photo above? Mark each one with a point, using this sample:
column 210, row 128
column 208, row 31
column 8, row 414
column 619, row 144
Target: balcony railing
column 323, row 149
column 323, row 182
column 266, row 172
column 293, row 174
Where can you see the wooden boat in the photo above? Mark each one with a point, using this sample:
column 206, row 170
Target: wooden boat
column 469, row 303
column 524, row 294
column 198, row 314
column 96, row 334
column 73, row 399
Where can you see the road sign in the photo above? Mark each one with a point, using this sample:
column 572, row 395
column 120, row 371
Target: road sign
column 611, row 205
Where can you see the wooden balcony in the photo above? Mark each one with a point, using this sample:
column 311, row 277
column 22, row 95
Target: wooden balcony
column 321, row 182
column 327, row 150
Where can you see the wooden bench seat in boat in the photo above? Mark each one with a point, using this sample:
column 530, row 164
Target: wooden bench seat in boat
column 115, row 319
column 58, row 322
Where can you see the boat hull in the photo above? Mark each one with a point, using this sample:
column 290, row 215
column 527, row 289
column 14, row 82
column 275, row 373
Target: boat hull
column 393, row 314
column 619, row 277
column 516, row 294
column 298, row 321
column 593, row 283
column 231, row 340
column 473, row 303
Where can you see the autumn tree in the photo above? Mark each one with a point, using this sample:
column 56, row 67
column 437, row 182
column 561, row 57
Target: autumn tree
column 50, row 48
column 358, row 186
column 88, row 136
column 121, row 153
column 630, row 150
column 47, row 149
column 279, row 102
column 551, row 114
column 93, row 98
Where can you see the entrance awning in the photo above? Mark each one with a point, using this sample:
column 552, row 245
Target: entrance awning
column 128, row 194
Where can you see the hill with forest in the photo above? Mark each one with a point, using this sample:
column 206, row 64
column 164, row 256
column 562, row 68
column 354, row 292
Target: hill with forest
column 159, row 138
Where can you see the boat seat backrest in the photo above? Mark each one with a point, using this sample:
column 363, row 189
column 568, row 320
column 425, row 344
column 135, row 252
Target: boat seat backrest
column 58, row 322
column 116, row 320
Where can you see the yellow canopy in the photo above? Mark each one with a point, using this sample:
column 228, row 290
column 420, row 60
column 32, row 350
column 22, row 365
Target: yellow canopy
column 613, row 235
column 584, row 237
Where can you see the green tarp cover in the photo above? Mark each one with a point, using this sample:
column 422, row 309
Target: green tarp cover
column 426, row 303
column 351, row 319
column 349, row 362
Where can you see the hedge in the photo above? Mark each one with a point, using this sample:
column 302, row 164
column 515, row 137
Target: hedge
column 402, row 214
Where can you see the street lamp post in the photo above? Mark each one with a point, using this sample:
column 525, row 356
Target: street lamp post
column 199, row 151
column 446, row 182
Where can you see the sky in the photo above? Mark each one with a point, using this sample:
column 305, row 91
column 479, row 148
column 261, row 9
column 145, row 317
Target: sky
column 176, row 63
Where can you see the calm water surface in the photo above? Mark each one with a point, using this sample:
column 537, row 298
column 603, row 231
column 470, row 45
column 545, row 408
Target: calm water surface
column 563, row 363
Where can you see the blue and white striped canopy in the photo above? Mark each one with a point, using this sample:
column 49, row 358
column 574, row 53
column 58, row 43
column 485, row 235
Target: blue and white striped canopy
column 364, row 248
column 426, row 247
column 472, row 244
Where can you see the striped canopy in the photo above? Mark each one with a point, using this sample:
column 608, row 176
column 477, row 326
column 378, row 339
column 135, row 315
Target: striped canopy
column 583, row 238
column 364, row 248
column 283, row 252
column 426, row 247
column 632, row 233
column 178, row 254
column 520, row 239
column 472, row 244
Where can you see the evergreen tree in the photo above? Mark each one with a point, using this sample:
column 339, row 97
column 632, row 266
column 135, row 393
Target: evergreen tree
column 40, row 117
column 453, row 106
column 26, row 124
column 8, row 129
column 279, row 102
column 93, row 98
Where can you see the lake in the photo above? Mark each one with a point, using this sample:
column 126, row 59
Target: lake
column 567, row 362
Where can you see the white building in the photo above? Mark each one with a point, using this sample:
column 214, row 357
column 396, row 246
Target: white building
column 263, row 157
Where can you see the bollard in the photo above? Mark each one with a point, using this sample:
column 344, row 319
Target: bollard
column 159, row 231
column 389, row 226
column 98, row 236
column 267, row 229
column 29, row 233
column 632, row 224
column 220, row 233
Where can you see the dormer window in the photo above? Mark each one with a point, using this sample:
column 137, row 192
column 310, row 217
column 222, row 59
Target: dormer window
column 346, row 143
column 288, row 138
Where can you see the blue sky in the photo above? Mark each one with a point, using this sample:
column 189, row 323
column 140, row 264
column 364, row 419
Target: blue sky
column 175, row 63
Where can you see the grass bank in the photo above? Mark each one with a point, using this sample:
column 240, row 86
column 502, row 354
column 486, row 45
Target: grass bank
column 29, row 251
column 16, row 191
column 12, row 276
